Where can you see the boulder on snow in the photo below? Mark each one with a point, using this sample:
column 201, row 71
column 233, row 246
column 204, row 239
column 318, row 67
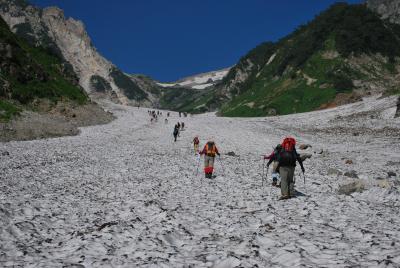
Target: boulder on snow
column 231, row 154
column 385, row 184
column 392, row 163
column 5, row 153
column 349, row 162
column 351, row 174
column 334, row 171
column 319, row 151
column 391, row 174
column 352, row 187
column 359, row 185
column 305, row 156
column 304, row 146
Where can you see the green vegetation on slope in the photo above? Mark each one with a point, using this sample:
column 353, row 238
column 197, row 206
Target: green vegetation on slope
column 311, row 65
column 131, row 90
column 7, row 111
column 29, row 73
column 184, row 99
column 99, row 84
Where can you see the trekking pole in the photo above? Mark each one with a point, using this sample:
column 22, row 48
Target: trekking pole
column 222, row 166
column 304, row 177
column 266, row 176
column 262, row 176
column 198, row 165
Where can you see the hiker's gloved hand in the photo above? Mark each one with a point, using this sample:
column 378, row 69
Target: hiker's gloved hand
column 302, row 169
column 267, row 166
column 218, row 154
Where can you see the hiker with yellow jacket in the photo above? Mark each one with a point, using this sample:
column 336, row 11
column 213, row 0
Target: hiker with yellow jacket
column 210, row 150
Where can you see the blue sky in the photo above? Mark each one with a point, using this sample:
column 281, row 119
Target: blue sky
column 171, row 39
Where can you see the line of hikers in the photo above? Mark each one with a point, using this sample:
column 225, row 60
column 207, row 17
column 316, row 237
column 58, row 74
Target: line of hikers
column 283, row 160
column 154, row 115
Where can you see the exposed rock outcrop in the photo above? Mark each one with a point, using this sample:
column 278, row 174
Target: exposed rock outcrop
column 67, row 38
column 388, row 9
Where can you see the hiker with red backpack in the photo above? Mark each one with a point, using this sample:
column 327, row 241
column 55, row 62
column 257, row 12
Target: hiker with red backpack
column 210, row 150
column 287, row 158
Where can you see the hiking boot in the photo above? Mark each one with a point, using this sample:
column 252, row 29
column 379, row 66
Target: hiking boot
column 284, row 197
column 274, row 182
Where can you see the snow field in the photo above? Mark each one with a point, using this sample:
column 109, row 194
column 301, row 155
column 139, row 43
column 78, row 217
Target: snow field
column 125, row 195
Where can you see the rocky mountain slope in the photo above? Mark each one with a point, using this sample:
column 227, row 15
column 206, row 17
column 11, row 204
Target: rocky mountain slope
column 27, row 73
column 68, row 38
column 188, row 94
column 43, row 90
column 345, row 53
column 388, row 9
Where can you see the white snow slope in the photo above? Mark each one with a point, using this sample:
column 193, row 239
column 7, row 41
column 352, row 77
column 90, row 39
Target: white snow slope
column 125, row 195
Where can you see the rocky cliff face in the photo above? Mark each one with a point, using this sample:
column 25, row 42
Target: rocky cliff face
column 68, row 38
column 388, row 9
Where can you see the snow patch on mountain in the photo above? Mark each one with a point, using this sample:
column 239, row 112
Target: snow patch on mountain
column 199, row 81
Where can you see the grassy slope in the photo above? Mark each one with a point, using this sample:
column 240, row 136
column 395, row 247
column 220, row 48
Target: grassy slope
column 289, row 93
column 184, row 99
column 301, row 78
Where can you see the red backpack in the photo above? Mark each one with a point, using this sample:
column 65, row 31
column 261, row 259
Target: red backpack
column 287, row 156
column 289, row 144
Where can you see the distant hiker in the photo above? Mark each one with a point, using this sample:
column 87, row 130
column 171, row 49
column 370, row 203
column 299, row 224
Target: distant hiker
column 168, row 114
column 196, row 143
column 183, row 125
column 287, row 163
column 273, row 158
column 166, row 121
column 209, row 151
column 176, row 132
column 179, row 114
column 178, row 125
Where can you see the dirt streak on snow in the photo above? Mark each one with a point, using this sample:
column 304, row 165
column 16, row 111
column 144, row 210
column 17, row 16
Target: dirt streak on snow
column 124, row 194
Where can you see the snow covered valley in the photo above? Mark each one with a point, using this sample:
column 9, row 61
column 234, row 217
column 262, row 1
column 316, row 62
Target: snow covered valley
column 125, row 195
